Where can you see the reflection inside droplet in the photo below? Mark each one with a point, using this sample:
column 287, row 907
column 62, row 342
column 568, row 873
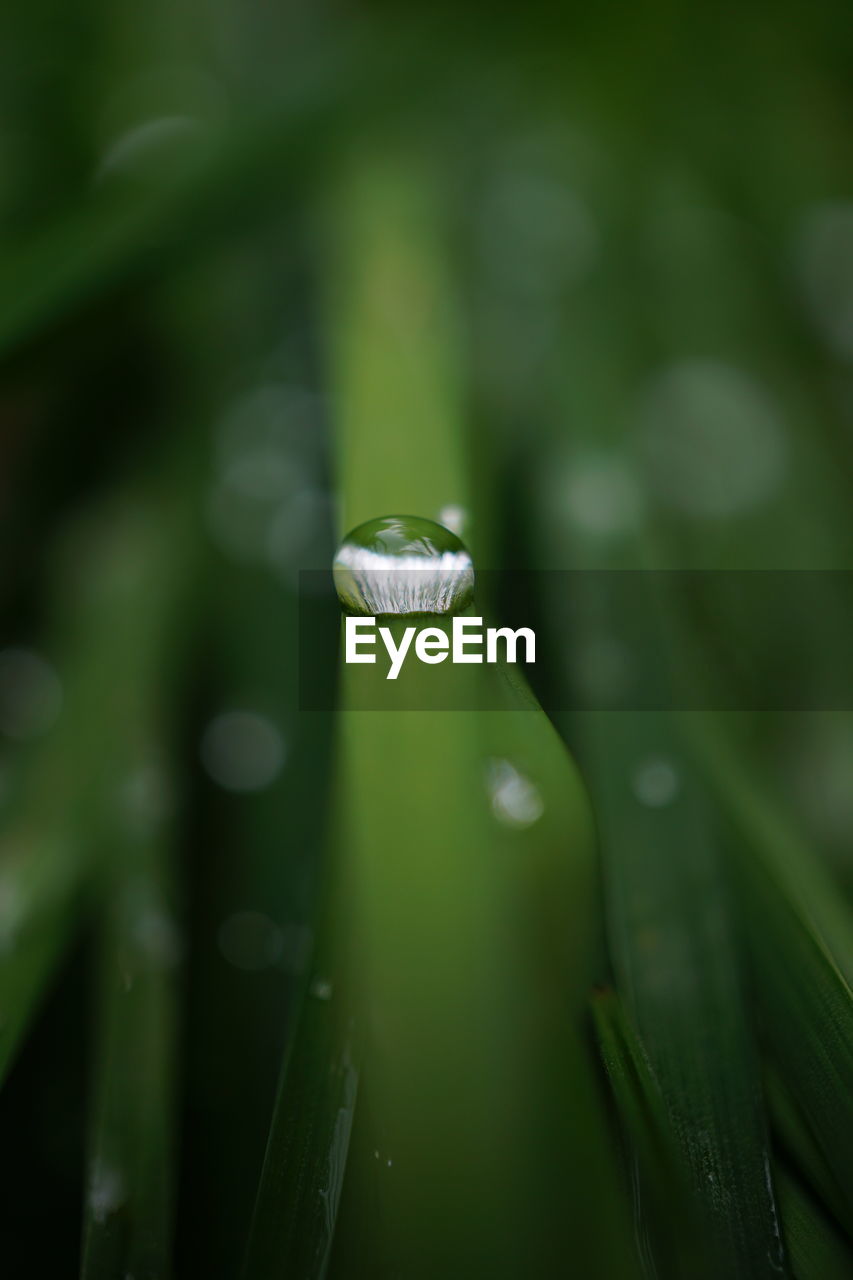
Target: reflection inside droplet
column 403, row 564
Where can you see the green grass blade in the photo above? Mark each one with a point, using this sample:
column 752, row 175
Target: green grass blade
column 121, row 593
column 674, row 952
column 296, row 1210
column 803, row 1153
column 817, row 1249
column 119, row 237
column 129, row 1200
column 473, row 941
column 669, row 1238
column 800, row 944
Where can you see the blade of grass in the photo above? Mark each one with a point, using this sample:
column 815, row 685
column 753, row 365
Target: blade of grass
column 120, row 593
column 675, row 955
column 483, row 1093
column 803, row 1153
column 128, row 1208
column 817, row 1250
column 665, row 1223
column 671, row 923
column 470, row 946
column 800, row 949
column 296, row 1209
column 116, row 239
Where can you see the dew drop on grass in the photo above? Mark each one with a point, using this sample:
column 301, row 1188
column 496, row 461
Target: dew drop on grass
column 516, row 801
column 655, row 782
column 455, row 518
column 403, row 564
column 106, row 1191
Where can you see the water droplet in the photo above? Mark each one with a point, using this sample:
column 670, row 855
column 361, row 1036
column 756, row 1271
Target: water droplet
column 250, row 941
column 242, row 751
column 710, row 440
column 516, row 801
column 106, row 1191
column 321, row 989
column 655, row 782
column 403, row 564
column 455, row 518
column 30, row 694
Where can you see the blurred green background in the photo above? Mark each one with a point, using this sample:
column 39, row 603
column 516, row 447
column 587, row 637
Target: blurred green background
column 578, row 285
